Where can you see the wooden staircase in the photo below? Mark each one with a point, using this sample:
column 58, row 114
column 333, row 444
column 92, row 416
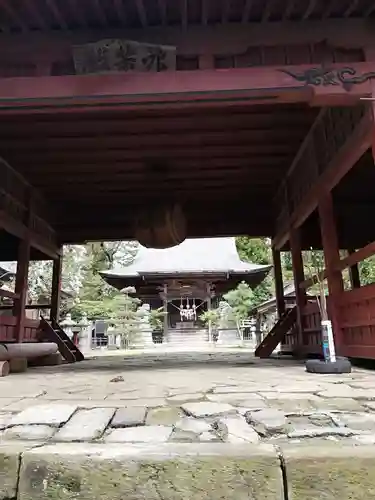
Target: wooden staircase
column 56, row 334
column 276, row 335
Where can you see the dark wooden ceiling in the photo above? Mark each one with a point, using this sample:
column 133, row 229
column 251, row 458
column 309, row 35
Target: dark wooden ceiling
column 222, row 164
column 47, row 15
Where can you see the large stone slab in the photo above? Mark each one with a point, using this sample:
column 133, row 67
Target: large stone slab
column 330, row 471
column 144, row 434
column 207, row 409
column 236, row 430
column 339, row 391
column 189, row 424
column 358, row 421
column 10, row 455
column 5, row 419
column 129, row 417
column 167, row 471
column 48, row 414
column 268, row 422
column 86, row 425
column 29, row 432
column 339, row 404
column 167, row 415
column 183, row 398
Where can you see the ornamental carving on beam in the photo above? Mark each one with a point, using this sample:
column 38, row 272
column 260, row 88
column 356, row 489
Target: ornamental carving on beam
column 323, row 77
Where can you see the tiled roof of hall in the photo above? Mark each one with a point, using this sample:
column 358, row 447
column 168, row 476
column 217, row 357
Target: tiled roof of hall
column 193, row 256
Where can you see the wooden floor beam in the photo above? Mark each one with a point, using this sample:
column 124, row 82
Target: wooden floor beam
column 292, row 83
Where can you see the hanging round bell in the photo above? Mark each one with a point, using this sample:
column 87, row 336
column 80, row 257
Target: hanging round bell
column 163, row 227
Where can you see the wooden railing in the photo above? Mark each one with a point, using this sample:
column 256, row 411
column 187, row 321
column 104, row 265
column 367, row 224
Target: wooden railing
column 357, row 320
column 326, row 139
column 23, row 204
column 8, row 329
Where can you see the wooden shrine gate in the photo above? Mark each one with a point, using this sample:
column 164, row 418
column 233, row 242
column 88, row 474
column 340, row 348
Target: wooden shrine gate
column 256, row 127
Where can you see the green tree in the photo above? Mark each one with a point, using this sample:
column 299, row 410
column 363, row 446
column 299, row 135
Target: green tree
column 257, row 251
column 96, row 298
column 241, row 300
column 125, row 317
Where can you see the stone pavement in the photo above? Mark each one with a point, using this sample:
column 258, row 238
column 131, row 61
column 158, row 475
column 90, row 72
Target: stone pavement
column 168, row 426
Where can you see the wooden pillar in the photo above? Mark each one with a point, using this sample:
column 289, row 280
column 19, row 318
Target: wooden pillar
column 165, row 309
column 21, row 286
column 56, row 290
column 331, row 257
column 209, row 307
column 279, row 286
column 355, row 279
column 299, row 277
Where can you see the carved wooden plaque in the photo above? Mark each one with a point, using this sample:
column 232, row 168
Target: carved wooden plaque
column 113, row 56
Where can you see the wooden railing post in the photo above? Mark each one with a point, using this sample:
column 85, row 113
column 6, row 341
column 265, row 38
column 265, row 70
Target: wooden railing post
column 299, row 277
column 56, row 289
column 355, row 279
column 21, row 287
column 279, row 286
column 332, row 257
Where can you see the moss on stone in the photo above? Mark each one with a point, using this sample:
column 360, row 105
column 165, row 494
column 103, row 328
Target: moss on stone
column 9, row 465
column 132, row 477
column 330, row 471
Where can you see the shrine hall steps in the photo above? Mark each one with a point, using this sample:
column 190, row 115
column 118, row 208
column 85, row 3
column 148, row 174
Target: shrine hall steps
column 55, row 333
column 186, row 338
column 276, row 335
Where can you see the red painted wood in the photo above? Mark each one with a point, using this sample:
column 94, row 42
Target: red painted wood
column 298, row 276
column 332, row 259
column 184, row 86
column 279, row 287
column 8, row 329
column 342, row 163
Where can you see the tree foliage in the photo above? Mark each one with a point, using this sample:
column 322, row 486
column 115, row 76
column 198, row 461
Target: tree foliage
column 257, row 251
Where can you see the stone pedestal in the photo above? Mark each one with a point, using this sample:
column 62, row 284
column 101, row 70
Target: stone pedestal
column 228, row 336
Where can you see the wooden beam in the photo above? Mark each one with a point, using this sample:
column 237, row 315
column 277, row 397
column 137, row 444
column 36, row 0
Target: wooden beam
column 247, row 11
column 200, row 122
column 289, row 10
column 355, row 278
column 351, row 8
column 351, row 260
column 370, row 9
column 298, row 277
column 79, row 17
column 309, row 10
column 204, row 13
column 274, row 84
column 184, row 13
column 57, row 14
column 267, row 10
column 141, row 12
column 341, row 163
column 13, row 14
column 120, row 11
column 100, row 14
column 279, row 286
column 225, row 8
column 328, row 9
column 56, row 289
column 7, row 294
column 163, row 12
column 21, row 287
column 332, row 259
column 130, row 141
column 36, row 15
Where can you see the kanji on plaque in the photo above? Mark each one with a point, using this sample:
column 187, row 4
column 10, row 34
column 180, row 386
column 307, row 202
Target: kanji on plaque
column 112, row 56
